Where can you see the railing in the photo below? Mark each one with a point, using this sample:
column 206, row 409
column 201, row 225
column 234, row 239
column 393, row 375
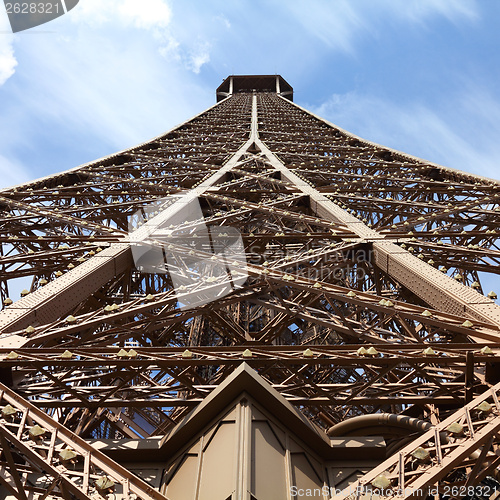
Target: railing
column 414, row 472
column 55, row 461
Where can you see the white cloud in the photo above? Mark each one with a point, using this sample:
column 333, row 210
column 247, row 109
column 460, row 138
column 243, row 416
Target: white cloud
column 422, row 10
column 154, row 16
column 170, row 48
column 93, row 87
column 149, row 14
column 145, row 14
column 191, row 55
column 224, row 20
column 94, row 12
column 98, row 93
column 8, row 60
column 199, row 56
column 335, row 26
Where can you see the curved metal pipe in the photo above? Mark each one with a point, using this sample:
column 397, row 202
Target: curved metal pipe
column 368, row 424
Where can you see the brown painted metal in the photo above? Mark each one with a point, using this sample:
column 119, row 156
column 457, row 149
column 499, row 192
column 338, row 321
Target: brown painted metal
column 410, row 477
column 43, row 453
column 344, row 239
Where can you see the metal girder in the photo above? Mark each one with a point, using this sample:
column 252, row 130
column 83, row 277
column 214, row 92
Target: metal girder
column 416, row 470
column 438, row 290
column 154, row 378
column 343, row 240
column 41, row 441
column 63, row 294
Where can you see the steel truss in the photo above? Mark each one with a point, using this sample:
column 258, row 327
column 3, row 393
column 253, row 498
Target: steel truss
column 349, row 246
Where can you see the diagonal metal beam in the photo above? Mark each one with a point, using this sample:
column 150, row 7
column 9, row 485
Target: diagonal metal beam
column 438, row 290
column 97, row 459
column 406, row 480
column 65, row 293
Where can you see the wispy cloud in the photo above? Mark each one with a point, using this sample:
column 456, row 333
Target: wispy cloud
column 145, row 15
column 420, row 11
column 92, row 87
column 336, row 26
column 8, row 60
column 463, row 133
column 224, row 20
column 199, row 56
column 109, row 92
column 153, row 14
column 340, row 24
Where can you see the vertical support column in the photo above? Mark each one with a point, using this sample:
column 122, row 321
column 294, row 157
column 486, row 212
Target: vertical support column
column 469, row 377
column 254, row 132
column 244, row 445
column 278, row 87
column 231, row 86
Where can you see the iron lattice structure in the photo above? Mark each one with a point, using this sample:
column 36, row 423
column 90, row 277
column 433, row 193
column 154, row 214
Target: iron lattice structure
column 364, row 293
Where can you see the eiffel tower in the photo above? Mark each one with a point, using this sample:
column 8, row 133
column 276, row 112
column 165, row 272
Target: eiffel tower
column 257, row 305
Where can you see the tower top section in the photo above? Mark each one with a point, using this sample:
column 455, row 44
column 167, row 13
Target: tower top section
column 254, row 83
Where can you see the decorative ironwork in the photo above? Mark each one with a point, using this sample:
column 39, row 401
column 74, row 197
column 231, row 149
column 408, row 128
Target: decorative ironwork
column 365, row 289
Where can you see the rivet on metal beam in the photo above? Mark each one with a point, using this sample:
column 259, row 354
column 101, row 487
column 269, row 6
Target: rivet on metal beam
column 68, row 456
column 421, row 455
column 456, row 429
column 372, row 352
column 484, row 407
column 36, row 432
column 381, row 482
column 104, row 484
column 8, row 411
column 429, row 351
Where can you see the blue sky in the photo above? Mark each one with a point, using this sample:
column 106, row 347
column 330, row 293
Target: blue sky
column 421, row 76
